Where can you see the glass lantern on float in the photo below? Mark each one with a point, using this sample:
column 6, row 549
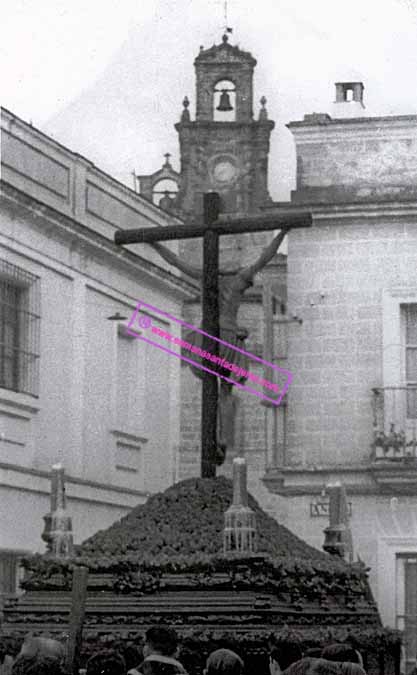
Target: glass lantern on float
column 239, row 534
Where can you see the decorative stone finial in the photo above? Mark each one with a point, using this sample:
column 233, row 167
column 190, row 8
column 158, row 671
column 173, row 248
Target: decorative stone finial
column 263, row 113
column 167, row 162
column 225, row 39
column 185, row 117
column 239, row 535
column 338, row 537
column 46, row 534
column 61, row 540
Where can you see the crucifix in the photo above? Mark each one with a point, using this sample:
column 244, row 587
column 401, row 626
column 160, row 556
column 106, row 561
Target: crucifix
column 214, row 224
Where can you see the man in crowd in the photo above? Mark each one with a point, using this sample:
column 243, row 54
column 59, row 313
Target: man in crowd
column 159, row 653
column 282, row 654
column 107, row 662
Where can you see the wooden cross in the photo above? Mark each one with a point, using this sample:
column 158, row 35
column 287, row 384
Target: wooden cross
column 76, row 621
column 212, row 227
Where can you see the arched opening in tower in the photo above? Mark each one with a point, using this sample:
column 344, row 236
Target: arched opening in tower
column 224, row 101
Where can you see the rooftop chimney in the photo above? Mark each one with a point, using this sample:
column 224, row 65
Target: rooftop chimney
column 349, row 100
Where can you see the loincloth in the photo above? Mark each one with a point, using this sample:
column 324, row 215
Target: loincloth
column 234, row 337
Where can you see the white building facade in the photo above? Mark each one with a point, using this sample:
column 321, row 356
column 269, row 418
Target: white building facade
column 76, row 389
column 352, row 406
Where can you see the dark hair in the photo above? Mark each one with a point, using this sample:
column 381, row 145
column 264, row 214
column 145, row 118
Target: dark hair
column 312, row 666
column 340, row 652
column 162, row 639
column 324, row 667
column 224, row 662
column 286, row 652
column 107, row 662
column 314, row 652
column 149, row 667
column 133, row 655
column 350, row 668
column 37, row 665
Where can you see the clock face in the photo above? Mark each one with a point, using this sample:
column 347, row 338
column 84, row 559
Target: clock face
column 224, row 172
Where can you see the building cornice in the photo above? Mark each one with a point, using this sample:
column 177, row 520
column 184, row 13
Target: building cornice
column 354, row 210
column 97, row 242
column 26, row 479
column 390, row 123
column 13, row 121
column 359, row 479
column 210, row 125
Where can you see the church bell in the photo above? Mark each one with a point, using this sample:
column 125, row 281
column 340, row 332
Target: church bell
column 224, row 104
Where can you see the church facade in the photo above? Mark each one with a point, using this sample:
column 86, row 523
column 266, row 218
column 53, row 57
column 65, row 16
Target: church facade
column 224, row 147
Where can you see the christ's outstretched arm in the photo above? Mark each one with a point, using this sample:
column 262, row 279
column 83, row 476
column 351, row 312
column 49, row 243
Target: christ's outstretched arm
column 267, row 255
column 175, row 261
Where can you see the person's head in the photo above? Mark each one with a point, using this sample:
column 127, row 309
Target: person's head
column 107, row 662
column 160, row 640
column 37, row 665
column 282, row 654
column 133, row 655
column 41, row 646
column 312, row 666
column 340, row 652
column 224, row 662
column 349, row 668
column 314, row 652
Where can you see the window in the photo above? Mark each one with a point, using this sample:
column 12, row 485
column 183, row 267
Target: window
column 164, row 190
column 130, row 382
column 407, row 605
column 128, row 457
column 275, row 351
column 19, row 329
column 410, row 316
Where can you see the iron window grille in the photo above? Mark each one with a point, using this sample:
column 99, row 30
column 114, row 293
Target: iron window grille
column 411, row 359
column 19, row 329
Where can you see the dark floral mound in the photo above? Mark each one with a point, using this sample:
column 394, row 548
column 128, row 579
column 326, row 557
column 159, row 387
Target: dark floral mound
column 175, row 540
column 186, row 519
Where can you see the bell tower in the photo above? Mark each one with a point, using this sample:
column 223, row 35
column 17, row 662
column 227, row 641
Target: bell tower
column 224, row 63
column 224, row 149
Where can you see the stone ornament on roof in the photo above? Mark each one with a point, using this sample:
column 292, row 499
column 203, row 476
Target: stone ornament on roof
column 225, row 52
column 185, row 115
column 263, row 113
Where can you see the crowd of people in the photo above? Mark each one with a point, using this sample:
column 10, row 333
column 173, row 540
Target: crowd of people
column 159, row 656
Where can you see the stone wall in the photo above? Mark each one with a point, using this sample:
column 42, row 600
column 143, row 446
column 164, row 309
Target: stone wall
column 337, row 276
column 348, row 277
column 355, row 159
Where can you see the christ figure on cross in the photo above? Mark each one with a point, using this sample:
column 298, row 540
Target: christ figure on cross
column 232, row 286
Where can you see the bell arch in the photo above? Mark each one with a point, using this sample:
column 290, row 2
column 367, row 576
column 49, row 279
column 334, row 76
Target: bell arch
column 224, row 101
column 164, row 190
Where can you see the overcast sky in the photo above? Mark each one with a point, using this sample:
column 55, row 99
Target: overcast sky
column 107, row 77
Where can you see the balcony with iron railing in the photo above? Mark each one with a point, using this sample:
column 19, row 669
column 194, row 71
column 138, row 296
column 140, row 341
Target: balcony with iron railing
column 394, row 445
